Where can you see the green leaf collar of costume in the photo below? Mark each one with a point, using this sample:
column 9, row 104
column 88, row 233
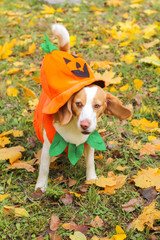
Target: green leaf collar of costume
column 48, row 47
column 58, row 145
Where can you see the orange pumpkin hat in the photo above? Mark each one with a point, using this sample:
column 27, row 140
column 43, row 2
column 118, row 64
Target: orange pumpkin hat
column 62, row 75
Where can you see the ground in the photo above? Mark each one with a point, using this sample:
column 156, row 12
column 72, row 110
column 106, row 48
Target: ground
column 120, row 41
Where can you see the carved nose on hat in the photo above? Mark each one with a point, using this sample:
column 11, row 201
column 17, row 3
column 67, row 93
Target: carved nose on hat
column 85, row 124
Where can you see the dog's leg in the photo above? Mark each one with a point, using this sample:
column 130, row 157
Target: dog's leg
column 90, row 166
column 44, row 165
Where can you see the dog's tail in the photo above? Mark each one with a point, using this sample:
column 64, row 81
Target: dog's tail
column 61, row 33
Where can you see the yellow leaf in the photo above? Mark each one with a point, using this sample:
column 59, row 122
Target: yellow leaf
column 147, row 217
column 13, row 70
column 12, row 92
column 153, row 59
column 3, row 196
column 102, row 64
column 18, row 212
column 31, row 50
column 33, row 104
column 120, row 234
column 76, row 194
column 147, row 178
column 151, row 44
column 129, row 58
column 149, row 12
column 114, row 3
column 18, row 64
column 21, row 165
column 124, row 88
column 145, row 125
column 17, row 133
column 149, row 31
column 47, row 9
column 5, row 133
column 2, row 121
column 4, row 141
column 151, row 138
column 109, row 78
column 76, row 9
column 153, row 89
column 12, row 153
column 138, row 83
column 5, row 50
column 112, row 89
column 27, row 91
column 72, row 40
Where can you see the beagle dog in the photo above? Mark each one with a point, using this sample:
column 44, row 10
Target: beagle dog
column 77, row 119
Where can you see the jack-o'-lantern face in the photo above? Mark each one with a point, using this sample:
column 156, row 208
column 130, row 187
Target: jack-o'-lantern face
column 77, row 66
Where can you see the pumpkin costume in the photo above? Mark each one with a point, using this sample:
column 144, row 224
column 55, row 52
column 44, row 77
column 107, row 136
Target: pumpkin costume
column 62, row 75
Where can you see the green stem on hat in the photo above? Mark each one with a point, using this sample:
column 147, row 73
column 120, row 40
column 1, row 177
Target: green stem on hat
column 48, row 47
column 58, row 145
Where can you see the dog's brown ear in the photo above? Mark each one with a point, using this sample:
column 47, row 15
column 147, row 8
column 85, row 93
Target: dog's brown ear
column 64, row 114
column 115, row 108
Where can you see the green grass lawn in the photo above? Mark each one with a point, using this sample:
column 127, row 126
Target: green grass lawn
column 123, row 35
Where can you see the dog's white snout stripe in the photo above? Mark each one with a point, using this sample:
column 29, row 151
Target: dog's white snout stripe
column 87, row 113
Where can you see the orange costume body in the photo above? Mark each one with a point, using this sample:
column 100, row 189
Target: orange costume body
column 62, row 75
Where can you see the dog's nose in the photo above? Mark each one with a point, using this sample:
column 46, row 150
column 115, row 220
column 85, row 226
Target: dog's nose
column 85, row 124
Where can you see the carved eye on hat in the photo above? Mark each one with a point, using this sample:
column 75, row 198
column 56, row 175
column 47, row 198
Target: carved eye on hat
column 77, row 66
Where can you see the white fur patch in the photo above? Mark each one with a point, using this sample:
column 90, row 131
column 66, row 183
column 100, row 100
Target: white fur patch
column 61, row 33
column 87, row 112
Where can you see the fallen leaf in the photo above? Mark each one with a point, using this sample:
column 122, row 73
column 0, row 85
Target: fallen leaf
column 55, row 223
column 69, row 226
column 6, row 49
column 67, row 199
column 148, row 178
column 153, row 59
column 27, row 91
column 31, row 50
column 147, row 217
column 120, row 234
column 97, row 222
column 13, row 71
column 138, row 83
column 149, row 193
column 21, row 165
column 151, row 44
column 12, row 92
column 78, row 236
column 12, row 153
column 131, row 204
column 124, row 88
column 72, row 41
column 18, row 212
column 17, row 133
column 3, row 196
column 4, row 141
column 148, row 149
column 145, row 125
column 114, row 3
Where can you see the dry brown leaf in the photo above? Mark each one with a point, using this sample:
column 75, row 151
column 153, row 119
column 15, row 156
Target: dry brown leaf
column 67, row 199
column 55, row 223
column 69, row 226
column 12, row 153
column 148, row 149
column 97, row 222
column 130, row 205
column 71, row 182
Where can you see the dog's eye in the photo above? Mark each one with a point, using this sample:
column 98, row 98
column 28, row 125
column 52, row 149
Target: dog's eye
column 96, row 106
column 79, row 104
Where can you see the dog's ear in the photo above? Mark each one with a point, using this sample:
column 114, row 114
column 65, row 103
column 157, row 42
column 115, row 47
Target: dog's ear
column 64, row 114
column 115, row 108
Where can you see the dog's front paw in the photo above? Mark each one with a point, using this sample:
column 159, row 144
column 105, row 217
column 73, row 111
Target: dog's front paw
column 42, row 186
column 91, row 177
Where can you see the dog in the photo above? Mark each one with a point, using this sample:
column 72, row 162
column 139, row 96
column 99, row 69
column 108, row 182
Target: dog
column 77, row 119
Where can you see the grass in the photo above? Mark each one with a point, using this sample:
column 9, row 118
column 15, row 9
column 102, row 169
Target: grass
column 91, row 29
